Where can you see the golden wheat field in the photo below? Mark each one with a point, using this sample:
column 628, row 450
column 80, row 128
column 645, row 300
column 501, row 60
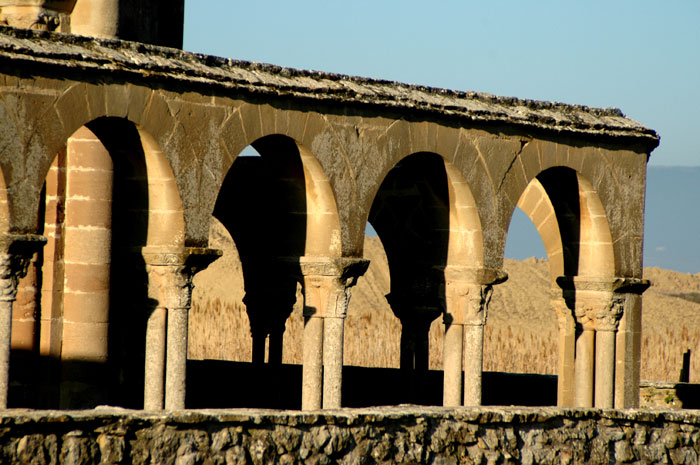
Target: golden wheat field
column 520, row 334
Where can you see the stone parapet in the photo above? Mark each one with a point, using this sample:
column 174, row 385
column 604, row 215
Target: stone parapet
column 376, row 435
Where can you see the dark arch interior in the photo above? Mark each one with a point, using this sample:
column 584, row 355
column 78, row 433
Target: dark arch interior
column 410, row 214
column 262, row 203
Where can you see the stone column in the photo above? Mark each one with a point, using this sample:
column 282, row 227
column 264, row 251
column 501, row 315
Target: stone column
column 467, row 295
column 170, row 274
column 16, row 252
column 584, row 367
column 452, row 363
column 269, row 299
column 598, row 305
column 567, row 351
column 327, row 283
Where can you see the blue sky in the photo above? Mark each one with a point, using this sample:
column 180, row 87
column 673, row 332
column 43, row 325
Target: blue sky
column 641, row 56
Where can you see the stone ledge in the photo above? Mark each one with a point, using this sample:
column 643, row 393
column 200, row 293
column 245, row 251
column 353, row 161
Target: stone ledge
column 403, row 434
column 109, row 56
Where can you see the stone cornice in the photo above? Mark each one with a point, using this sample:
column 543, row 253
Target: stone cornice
column 110, row 57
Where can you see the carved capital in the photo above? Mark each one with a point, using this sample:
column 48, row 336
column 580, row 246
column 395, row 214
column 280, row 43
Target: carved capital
column 327, row 283
column 45, row 15
column 468, row 292
column 594, row 310
column 599, row 303
column 171, row 272
column 16, row 252
column 467, row 303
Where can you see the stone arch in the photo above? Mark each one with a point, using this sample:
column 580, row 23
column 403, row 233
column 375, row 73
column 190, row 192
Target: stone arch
column 314, row 202
column 571, row 220
column 166, row 221
column 597, row 175
column 109, row 193
column 278, row 208
column 456, row 147
column 427, row 218
column 466, row 243
column 54, row 122
column 263, row 126
column 323, row 237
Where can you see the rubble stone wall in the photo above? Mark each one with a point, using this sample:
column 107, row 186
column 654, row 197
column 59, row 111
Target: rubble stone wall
column 380, row 435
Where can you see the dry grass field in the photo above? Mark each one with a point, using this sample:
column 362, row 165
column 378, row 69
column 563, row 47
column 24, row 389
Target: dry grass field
column 520, row 332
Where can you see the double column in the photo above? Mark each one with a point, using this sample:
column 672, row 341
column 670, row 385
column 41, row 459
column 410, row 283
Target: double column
column 598, row 306
column 16, row 251
column 327, row 283
column 170, row 274
column 467, row 295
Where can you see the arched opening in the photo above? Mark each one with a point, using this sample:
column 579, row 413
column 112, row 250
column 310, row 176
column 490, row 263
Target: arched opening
column 277, row 206
column 426, row 218
column 370, row 321
column 109, row 193
column 521, row 334
column 218, row 326
column 570, row 219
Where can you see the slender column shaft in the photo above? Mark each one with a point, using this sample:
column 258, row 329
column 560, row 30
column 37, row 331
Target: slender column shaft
column 452, row 365
column 473, row 363
column 176, row 363
column 604, row 369
column 170, row 283
column 5, row 333
column 566, row 371
column 326, row 295
column 584, row 368
column 274, row 351
column 154, row 384
column 259, row 348
column 407, row 347
column 422, row 354
column 333, row 332
column 312, row 371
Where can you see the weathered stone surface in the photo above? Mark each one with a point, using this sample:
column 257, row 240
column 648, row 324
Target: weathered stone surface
column 379, row 435
column 166, row 64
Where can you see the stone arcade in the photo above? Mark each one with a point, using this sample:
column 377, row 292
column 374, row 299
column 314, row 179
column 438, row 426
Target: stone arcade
column 115, row 155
